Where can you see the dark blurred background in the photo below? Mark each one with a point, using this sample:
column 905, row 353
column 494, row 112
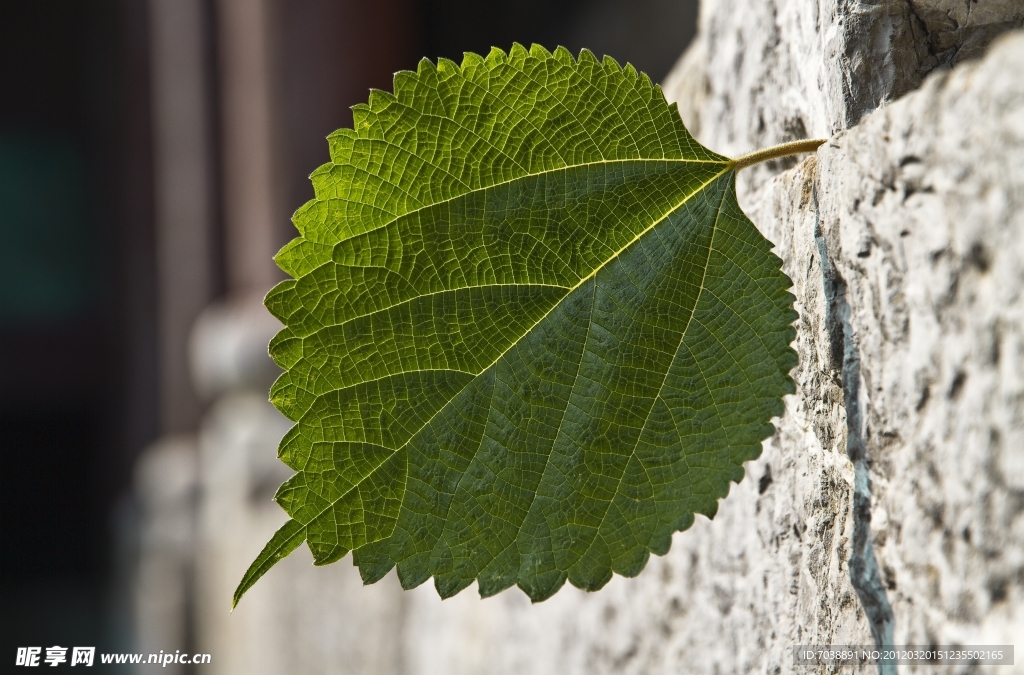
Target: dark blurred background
column 151, row 152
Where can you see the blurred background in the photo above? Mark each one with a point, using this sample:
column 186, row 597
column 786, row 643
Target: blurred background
column 151, row 153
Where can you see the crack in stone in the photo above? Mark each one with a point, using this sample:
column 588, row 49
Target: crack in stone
column 864, row 570
column 944, row 41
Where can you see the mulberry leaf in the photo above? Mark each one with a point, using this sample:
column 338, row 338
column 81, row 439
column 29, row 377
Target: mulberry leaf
column 529, row 332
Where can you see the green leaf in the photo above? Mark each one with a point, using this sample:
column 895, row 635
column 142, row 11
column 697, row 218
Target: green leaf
column 529, row 332
column 285, row 540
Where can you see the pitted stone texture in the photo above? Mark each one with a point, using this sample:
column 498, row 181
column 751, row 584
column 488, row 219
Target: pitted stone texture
column 954, row 30
column 762, row 72
column 772, row 71
column 922, row 206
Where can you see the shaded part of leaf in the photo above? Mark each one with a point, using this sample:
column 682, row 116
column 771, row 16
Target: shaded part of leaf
column 641, row 301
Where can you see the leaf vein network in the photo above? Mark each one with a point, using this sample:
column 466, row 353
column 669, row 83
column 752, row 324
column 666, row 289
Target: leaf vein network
column 661, row 387
column 597, row 269
column 484, row 188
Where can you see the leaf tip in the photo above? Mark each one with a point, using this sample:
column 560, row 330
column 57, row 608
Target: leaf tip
column 284, row 541
column 380, row 99
column 340, row 144
column 659, row 93
column 445, row 66
column 471, row 60
column 450, row 585
column 543, row 586
column 326, row 555
column 495, row 56
column 402, row 81
column 587, row 57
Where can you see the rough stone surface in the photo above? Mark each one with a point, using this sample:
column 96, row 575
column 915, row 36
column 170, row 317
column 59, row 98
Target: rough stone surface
column 954, row 30
column 166, row 480
column 921, row 207
column 762, row 72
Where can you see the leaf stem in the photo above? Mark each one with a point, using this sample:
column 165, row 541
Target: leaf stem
column 793, row 148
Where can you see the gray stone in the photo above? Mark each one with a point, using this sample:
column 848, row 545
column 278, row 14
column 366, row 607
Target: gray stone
column 166, row 481
column 228, row 348
column 954, row 30
column 762, row 72
column 921, row 208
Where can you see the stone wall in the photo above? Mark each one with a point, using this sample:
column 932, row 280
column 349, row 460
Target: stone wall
column 889, row 505
column 762, row 72
column 921, row 210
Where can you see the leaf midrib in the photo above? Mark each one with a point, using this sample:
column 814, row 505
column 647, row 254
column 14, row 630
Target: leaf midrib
column 664, row 379
column 413, row 435
column 727, row 164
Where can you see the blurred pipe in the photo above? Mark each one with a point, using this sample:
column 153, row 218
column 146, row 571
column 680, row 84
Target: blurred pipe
column 249, row 190
column 183, row 177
